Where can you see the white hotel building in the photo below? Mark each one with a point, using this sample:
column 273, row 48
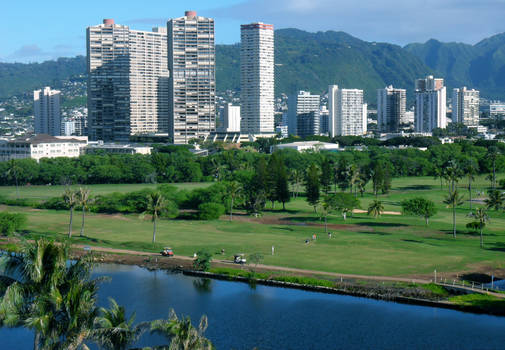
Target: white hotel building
column 192, row 82
column 431, row 104
column 465, row 106
column 127, row 81
column 348, row 113
column 257, row 79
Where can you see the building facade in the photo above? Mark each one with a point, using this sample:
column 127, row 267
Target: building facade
column 192, row 82
column 257, row 78
column 496, row 109
column 348, row 113
column 431, row 104
column 42, row 146
column 391, row 107
column 306, row 104
column 231, row 118
column 465, row 106
column 46, row 108
column 127, row 82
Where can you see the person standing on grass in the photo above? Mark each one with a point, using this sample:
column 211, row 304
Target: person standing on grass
column 273, row 250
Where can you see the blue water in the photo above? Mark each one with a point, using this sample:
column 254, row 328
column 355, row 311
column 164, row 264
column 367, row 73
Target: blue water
column 278, row 318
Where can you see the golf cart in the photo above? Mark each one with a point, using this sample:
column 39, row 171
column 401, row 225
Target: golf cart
column 167, row 251
column 239, row 259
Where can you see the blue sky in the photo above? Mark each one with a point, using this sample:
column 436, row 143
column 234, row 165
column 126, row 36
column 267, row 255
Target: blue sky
column 33, row 31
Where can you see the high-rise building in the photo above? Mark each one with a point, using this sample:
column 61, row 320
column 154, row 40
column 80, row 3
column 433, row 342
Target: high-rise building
column 431, row 104
column 348, row 113
column 127, row 82
column 257, row 78
column 192, row 83
column 324, row 116
column 465, row 106
column 391, row 106
column 46, row 108
column 231, row 118
column 303, row 103
column 307, row 124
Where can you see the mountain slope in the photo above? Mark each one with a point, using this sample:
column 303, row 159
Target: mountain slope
column 480, row 66
column 312, row 61
column 19, row 78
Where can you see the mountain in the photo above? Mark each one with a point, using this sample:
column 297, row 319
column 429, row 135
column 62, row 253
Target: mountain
column 20, row 78
column 312, row 61
column 480, row 66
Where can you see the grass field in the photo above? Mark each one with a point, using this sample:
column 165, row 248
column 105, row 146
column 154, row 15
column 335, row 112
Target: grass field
column 391, row 245
column 46, row 192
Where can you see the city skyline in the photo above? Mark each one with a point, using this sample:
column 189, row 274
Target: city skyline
column 62, row 32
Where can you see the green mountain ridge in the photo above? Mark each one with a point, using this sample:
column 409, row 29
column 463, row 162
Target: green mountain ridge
column 312, row 61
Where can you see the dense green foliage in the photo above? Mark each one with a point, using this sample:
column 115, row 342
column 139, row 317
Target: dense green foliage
column 19, row 78
column 210, row 211
column 11, row 222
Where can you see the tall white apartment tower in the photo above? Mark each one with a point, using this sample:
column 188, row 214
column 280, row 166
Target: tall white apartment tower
column 192, row 83
column 391, row 108
column 431, row 104
column 127, row 82
column 348, row 113
column 257, row 78
column 46, row 107
column 465, row 106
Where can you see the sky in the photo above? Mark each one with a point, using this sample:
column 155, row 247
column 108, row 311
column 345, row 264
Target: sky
column 35, row 31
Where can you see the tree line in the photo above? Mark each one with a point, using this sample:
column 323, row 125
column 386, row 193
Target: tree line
column 177, row 164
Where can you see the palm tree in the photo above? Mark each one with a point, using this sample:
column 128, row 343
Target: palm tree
column 113, row 330
column 296, row 178
column 71, row 199
column 453, row 173
column 454, row 199
column 482, row 218
column 355, row 178
column 182, row 334
column 492, row 154
column 234, row 190
column 156, row 204
column 13, row 171
column 496, row 200
column 375, row 209
column 471, row 169
column 84, row 201
column 26, row 277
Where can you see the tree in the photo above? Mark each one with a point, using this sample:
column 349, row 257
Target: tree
column 312, row 186
column 234, row 189
column 355, row 178
column 13, row 172
column 453, row 200
column 375, row 208
column 482, row 218
column 44, row 293
column 471, row 169
column 344, row 203
column 492, row 154
column 325, row 179
column 181, row 333
column 71, row 200
column 495, row 200
column 255, row 259
column 296, row 179
column 282, row 186
column 420, row 207
column 113, row 330
column 453, row 173
column 84, row 201
column 210, row 211
column 156, row 204
column 202, row 261
column 11, row 222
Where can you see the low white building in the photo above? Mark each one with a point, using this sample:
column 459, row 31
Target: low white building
column 42, row 146
column 307, row 145
column 112, row 148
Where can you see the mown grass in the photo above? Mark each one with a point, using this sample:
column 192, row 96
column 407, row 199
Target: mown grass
column 391, row 245
column 480, row 302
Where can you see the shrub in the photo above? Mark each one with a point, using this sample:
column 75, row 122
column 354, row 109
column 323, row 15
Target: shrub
column 210, row 211
column 11, row 222
column 202, row 261
column 502, row 183
column 56, row 203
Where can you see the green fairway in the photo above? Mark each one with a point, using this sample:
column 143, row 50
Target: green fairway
column 391, row 245
column 46, row 192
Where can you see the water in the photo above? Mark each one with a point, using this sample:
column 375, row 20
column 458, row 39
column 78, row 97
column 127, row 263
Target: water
column 278, row 318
